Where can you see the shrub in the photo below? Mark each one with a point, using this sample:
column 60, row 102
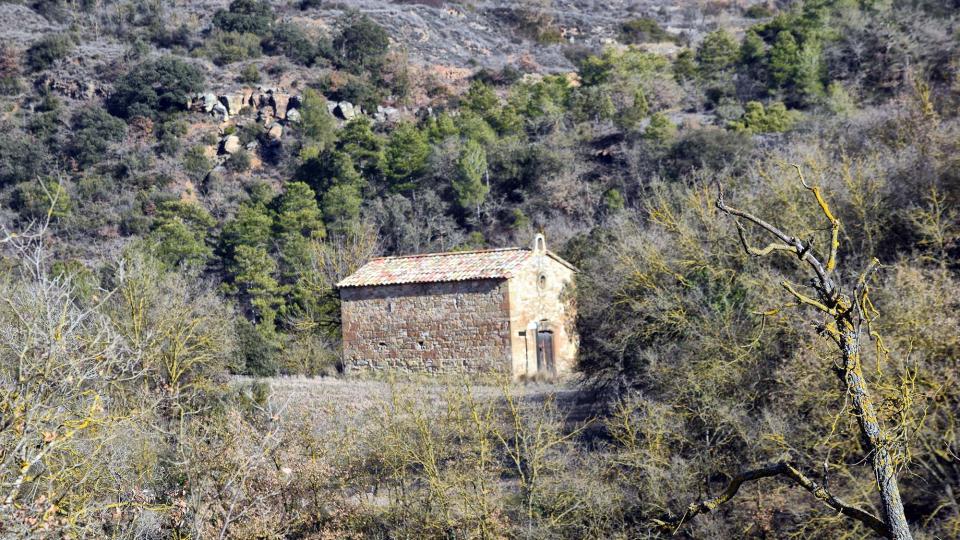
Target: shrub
column 154, row 87
column 644, row 30
column 245, row 16
column 758, row 11
column 34, row 201
column 94, row 129
column 773, row 119
column 43, row 53
column 21, row 158
column 362, row 44
column 289, row 40
column 712, row 149
column 238, row 162
column 229, row 47
column 196, row 163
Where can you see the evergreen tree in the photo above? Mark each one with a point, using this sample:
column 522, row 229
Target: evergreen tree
column 638, row 109
column 784, row 59
column 405, row 156
column 471, row 169
column 319, row 126
column 250, row 227
column 297, row 223
column 661, row 129
column 297, row 212
column 365, row 148
column 254, row 280
column 481, row 99
column 180, row 236
column 717, row 53
column 808, row 78
column 362, row 44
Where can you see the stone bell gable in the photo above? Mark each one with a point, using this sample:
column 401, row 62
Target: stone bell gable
column 488, row 311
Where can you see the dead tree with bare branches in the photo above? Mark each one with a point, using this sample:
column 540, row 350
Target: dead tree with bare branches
column 849, row 314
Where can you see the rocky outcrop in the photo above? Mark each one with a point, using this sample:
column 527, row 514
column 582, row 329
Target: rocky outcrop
column 345, row 111
column 72, row 88
column 231, row 144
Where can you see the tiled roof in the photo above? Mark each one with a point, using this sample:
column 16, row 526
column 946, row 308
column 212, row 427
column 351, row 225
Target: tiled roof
column 438, row 267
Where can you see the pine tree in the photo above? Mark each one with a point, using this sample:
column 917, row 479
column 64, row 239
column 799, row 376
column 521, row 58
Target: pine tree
column 661, row 129
column 717, row 53
column 254, row 280
column 405, row 156
column 638, row 109
column 318, row 125
column 181, row 233
column 297, row 212
column 471, row 168
column 808, row 83
column 784, row 59
column 365, row 148
column 296, row 223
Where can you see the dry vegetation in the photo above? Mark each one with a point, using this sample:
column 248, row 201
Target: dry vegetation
column 729, row 388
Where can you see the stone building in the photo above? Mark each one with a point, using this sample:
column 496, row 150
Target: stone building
column 497, row 310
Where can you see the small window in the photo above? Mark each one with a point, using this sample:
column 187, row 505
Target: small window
column 542, row 282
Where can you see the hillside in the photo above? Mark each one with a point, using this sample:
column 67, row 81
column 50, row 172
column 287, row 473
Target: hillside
column 760, row 196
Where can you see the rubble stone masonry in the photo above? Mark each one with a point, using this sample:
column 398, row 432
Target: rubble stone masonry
column 459, row 326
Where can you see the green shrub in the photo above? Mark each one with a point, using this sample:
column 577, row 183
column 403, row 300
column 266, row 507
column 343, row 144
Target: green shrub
column 94, row 129
column 21, row 158
column 43, row 53
column 196, row 163
column 238, row 162
column 35, row 201
column 758, row 11
column 289, row 40
column 773, row 119
column 249, row 74
column 644, row 30
column 245, row 16
column 229, row 47
column 362, row 44
column 259, row 353
column 154, row 87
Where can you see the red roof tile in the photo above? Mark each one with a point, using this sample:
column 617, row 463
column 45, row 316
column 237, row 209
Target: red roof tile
column 439, row 267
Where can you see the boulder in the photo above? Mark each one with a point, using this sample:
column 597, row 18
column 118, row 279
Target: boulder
column 231, row 144
column 332, row 107
column 386, row 114
column 275, row 132
column 233, row 102
column 265, row 115
column 293, row 115
column 247, row 94
column 280, row 103
column 219, row 111
column 346, row 110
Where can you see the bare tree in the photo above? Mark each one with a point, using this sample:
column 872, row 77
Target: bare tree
column 849, row 315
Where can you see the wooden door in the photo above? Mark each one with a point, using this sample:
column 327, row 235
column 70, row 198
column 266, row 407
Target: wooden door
column 545, row 351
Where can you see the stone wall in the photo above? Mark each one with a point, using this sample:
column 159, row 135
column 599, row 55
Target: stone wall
column 461, row 326
column 540, row 298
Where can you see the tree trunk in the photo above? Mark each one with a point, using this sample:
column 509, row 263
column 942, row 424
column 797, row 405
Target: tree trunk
column 883, row 468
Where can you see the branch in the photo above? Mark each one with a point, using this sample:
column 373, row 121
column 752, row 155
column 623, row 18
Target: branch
column 834, row 222
column 671, row 524
column 804, row 299
column 771, row 247
column 795, row 245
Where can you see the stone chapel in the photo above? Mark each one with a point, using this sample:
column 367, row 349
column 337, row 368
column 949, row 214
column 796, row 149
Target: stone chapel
column 494, row 311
